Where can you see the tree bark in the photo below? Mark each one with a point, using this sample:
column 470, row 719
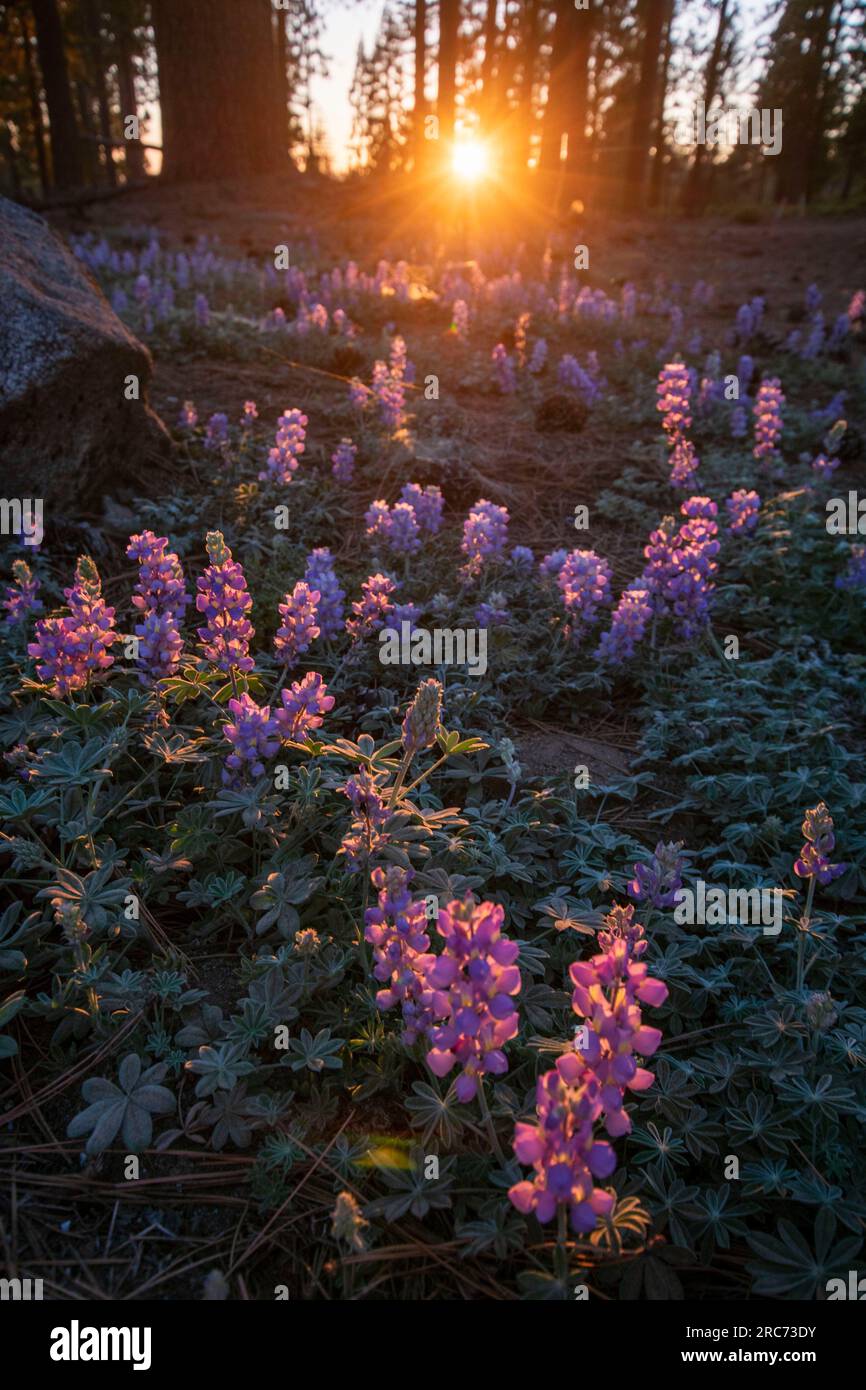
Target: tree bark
column 491, row 31
column 446, row 101
column 694, row 189
column 220, row 112
column 35, row 106
column 419, row 106
column 133, row 149
column 641, row 127
column 97, row 61
column 657, row 173
column 65, row 152
column 566, row 91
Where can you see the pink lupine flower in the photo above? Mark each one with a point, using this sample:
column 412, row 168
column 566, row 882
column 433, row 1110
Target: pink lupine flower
column 427, row 503
column 359, row 394
column 288, row 446
column 188, row 418
column 503, row 369
column 343, row 461
column 485, row 533
column 319, row 574
column 820, row 840
column 673, row 402
column 366, row 834
column 474, row 981
column 298, row 628
column 743, row 508
column 249, row 416
column 584, row 581
column 629, row 623
column 397, row 931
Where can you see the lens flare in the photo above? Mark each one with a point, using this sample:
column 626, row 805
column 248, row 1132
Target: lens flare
column 469, row 161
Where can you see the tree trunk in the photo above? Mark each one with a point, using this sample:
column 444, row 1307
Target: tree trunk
column 644, row 107
column 524, row 115
column 491, row 31
column 657, row 172
column 281, row 56
column 695, row 191
column 97, row 62
column 419, row 107
column 220, row 112
column 446, row 100
column 133, row 152
column 563, row 75
column 65, row 153
column 35, row 106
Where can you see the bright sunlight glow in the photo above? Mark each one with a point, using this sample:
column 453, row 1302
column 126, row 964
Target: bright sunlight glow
column 469, row 160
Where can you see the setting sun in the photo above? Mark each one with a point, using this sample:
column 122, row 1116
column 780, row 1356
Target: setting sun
column 470, row 160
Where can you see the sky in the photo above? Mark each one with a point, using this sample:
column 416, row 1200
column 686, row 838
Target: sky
column 344, row 27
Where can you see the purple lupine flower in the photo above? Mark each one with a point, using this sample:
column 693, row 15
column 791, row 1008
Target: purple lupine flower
column 628, row 625
column 550, row 566
column 820, row 843
column 857, row 309
column 304, row 705
column 288, row 445
column 250, row 414
column 225, row 602
column 372, row 609
column 188, row 418
column 343, row 461
column 739, row 422
column 202, row 310
column 298, row 628
column 745, row 372
column 561, row 1148
column 359, row 394
column 396, row 526
column 253, row 737
column 421, row 720
column 492, row 614
column 319, row 574
column 584, row 582
column 460, row 319
column 522, row 557
column 503, row 370
column 161, row 599
column 659, row 881
column 397, row 931
column 69, row 650
column 22, row 595
column 474, row 981
column 744, row 509
column 855, row 574
column 485, row 532
column 609, row 989
column 427, row 503
column 538, row 358
column 366, row 834
column 824, row 467
column 768, row 421
column 389, row 392
column 673, row 402
column 406, row 613
column 684, row 462
column 217, row 432
column 571, row 375
column 813, row 298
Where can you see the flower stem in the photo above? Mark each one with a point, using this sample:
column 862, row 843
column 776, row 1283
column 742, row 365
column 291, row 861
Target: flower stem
column 488, row 1122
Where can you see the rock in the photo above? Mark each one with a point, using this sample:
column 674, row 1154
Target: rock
column 66, row 427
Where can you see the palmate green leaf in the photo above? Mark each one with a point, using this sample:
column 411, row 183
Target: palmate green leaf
column 126, row 1108
column 790, row 1268
column 76, row 765
column 17, row 804
column 315, row 1053
column 435, row 1113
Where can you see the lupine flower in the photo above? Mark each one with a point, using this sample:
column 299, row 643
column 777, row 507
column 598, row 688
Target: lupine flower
column 460, row 319
column 485, row 532
column 304, row 706
column 69, row 650
column 372, row 609
column 562, row 1149
column 609, row 989
column 474, row 981
column 820, row 843
column 570, row 374
column 366, row 834
column 288, row 445
column 855, row 574
column 427, row 503
column 22, row 595
column 388, row 390
column 522, row 557
column 673, row 402
column 161, row 599
column 659, row 881
column 768, row 420
column 824, row 467
column 421, row 721
column 739, row 422
column 628, row 625
column 397, row 931
column 343, row 461
column 298, row 628
column 538, row 359
column 359, row 394
column 406, row 613
column 684, row 462
column 397, row 526
column 492, row 614
column 188, row 418
column 813, row 298
column 857, row 307
column 552, row 563
column 223, row 599
column 253, row 737
column 250, row 414
column 217, row 431
column 744, row 509
column 202, row 310
column 320, row 575
column 503, row 370
column 584, row 582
